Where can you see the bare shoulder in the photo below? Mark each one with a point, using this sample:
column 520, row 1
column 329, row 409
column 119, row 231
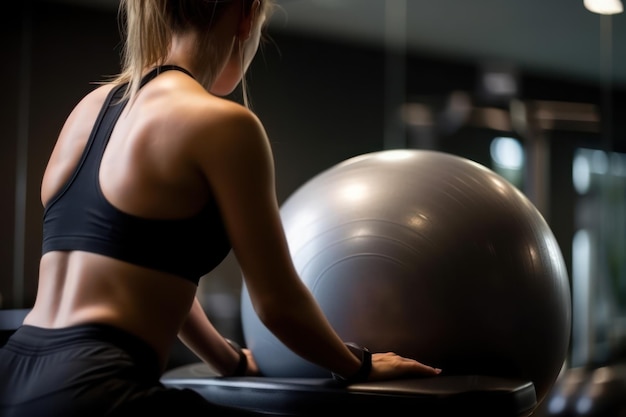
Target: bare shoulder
column 81, row 119
column 227, row 119
column 229, row 145
column 226, row 128
column 87, row 109
column 72, row 140
column 94, row 98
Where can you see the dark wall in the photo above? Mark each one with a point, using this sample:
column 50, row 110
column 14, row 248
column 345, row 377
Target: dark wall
column 321, row 103
column 53, row 55
column 10, row 24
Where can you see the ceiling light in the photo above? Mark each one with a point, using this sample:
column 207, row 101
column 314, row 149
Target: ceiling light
column 604, row 6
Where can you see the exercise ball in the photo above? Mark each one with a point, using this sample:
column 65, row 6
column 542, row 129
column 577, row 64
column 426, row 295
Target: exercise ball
column 429, row 255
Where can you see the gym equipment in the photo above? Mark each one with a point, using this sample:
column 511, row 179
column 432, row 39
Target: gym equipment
column 429, row 255
column 426, row 254
column 312, row 397
column 587, row 391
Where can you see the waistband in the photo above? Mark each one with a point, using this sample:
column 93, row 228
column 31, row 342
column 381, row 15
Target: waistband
column 32, row 339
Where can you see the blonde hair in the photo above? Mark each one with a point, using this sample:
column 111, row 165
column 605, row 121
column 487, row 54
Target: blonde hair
column 148, row 26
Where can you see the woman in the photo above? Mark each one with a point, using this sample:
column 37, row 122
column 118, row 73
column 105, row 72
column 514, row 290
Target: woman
column 154, row 178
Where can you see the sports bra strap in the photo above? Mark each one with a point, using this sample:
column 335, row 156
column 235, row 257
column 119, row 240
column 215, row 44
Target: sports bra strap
column 161, row 69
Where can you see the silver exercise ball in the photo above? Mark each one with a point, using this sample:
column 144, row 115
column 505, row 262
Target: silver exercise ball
column 429, row 255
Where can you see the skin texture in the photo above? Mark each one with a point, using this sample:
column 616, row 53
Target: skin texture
column 178, row 144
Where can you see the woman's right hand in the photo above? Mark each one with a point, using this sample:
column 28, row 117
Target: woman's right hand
column 392, row 366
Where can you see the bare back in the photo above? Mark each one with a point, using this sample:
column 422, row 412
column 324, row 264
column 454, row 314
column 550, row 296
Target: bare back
column 144, row 172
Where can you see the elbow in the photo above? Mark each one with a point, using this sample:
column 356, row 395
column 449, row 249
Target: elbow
column 273, row 316
column 268, row 314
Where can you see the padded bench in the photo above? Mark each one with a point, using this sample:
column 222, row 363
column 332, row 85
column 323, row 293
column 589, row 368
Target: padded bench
column 430, row 396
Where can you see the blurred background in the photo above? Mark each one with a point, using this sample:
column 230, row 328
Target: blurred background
column 533, row 89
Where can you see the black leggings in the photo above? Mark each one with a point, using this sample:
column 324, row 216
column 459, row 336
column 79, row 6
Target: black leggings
column 89, row 370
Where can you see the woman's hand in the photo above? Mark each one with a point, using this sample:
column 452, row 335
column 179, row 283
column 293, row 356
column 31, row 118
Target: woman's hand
column 391, row 366
column 253, row 368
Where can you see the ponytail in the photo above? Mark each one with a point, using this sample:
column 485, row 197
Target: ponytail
column 147, row 39
column 148, row 26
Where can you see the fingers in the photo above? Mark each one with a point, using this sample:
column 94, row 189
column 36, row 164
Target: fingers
column 390, row 365
column 422, row 368
column 425, row 369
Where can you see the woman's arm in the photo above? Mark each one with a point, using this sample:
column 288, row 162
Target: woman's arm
column 203, row 339
column 238, row 164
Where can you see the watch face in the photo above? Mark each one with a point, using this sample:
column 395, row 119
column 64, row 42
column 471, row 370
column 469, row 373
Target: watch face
column 357, row 350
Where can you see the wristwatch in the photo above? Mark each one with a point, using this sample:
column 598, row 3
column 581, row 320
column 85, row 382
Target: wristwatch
column 242, row 366
column 365, row 356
